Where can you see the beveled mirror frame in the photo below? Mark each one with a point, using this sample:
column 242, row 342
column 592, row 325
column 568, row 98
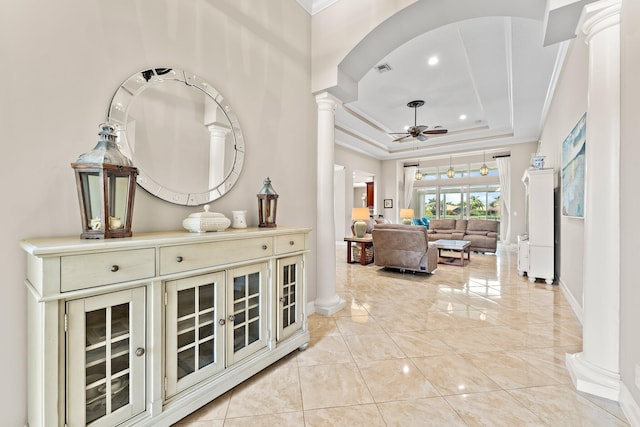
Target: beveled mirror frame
column 120, row 106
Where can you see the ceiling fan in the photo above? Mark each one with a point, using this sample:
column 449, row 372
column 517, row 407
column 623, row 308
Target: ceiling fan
column 416, row 131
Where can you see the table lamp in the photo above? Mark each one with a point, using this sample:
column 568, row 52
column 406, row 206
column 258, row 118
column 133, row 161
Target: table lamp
column 406, row 215
column 359, row 215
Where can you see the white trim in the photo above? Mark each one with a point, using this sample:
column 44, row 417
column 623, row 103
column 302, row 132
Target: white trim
column 629, row 406
column 592, row 379
column 573, row 302
column 311, row 308
column 314, row 6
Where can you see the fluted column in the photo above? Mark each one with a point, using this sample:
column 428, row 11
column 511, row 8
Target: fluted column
column 596, row 369
column 327, row 300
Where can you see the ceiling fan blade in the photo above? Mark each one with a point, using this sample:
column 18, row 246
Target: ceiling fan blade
column 435, row 132
column 420, row 128
column 401, row 138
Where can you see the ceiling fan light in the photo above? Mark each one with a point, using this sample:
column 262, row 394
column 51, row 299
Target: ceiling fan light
column 421, row 137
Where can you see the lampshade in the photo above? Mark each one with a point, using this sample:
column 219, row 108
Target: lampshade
column 359, row 215
column 406, row 215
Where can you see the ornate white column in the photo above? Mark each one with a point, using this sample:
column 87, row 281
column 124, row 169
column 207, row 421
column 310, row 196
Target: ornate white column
column 327, row 301
column 596, row 369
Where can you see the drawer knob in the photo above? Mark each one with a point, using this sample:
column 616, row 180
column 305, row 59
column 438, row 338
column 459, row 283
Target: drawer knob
column 179, row 259
column 221, row 322
column 139, row 351
column 115, row 268
column 264, row 247
column 291, row 242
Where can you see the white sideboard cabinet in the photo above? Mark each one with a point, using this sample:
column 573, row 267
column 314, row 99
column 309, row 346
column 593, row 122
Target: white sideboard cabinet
column 145, row 330
column 536, row 248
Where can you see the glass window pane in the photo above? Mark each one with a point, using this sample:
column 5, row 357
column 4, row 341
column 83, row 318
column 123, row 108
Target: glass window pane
column 186, row 302
column 205, row 294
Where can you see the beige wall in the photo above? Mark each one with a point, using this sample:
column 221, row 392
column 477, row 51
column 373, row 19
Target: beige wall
column 568, row 105
column 629, row 200
column 354, row 161
column 63, row 61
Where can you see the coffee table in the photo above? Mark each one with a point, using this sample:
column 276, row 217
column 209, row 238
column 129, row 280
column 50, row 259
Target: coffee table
column 363, row 253
column 461, row 246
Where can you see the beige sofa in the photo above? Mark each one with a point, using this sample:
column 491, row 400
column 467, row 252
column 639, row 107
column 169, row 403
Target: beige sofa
column 482, row 233
column 405, row 247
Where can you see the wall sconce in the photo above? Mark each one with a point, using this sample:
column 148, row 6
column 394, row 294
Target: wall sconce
column 484, row 170
column 450, row 172
column 106, row 184
column 359, row 215
column 267, row 205
column 406, row 215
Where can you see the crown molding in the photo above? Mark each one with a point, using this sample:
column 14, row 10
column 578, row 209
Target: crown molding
column 314, row 6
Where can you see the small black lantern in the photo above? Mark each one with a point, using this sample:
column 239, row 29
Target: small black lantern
column 267, row 205
column 106, row 184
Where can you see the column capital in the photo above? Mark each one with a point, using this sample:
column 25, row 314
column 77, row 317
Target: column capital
column 599, row 16
column 327, row 101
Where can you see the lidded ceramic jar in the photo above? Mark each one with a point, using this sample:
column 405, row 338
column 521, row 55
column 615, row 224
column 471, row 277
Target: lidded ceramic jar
column 201, row 222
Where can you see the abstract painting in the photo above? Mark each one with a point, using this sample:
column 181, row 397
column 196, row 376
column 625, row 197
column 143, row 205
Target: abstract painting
column 573, row 170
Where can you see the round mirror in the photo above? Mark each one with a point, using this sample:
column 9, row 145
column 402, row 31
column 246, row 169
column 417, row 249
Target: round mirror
column 180, row 133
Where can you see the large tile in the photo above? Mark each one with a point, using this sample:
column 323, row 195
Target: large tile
column 434, row 412
column 373, row 347
column 287, row 419
column 397, row 379
column 495, row 408
column 453, row 374
column 325, row 350
column 348, row 416
column 561, row 405
column 274, row 390
column 509, row 371
column 326, row 386
column 358, row 325
column 420, row 343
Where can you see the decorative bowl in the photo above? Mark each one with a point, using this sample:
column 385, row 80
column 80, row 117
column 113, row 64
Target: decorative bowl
column 201, row 222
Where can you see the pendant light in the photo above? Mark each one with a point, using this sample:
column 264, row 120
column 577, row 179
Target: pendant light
column 484, row 170
column 450, row 172
column 418, row 173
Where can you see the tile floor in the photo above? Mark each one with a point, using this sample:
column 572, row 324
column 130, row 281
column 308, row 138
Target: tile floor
column 472, row 346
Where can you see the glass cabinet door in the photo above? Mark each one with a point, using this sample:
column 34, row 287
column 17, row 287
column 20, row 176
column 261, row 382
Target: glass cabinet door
column 246, row 311
column 290, row 315
column 105, row 358
column 193, row 315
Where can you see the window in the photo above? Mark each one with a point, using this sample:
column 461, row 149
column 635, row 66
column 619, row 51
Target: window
column 453, row 202
column 484, row 202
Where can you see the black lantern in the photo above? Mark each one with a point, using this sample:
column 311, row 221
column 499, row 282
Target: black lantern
column 106, row 184
column 267, row 205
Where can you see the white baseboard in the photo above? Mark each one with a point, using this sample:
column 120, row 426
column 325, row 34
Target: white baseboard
column 573, row 302
column 591, row 378
column 629, row 406
column 311, row 308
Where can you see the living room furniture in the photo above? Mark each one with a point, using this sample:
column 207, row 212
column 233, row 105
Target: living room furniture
column 145, row 330
column 536, row 249
column 404, row 247
column 482, row 233
column 365, row 244
column 461, row 246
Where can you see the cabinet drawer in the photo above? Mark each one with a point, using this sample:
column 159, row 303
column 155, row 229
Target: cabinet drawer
column 289, row 243
column 104, row 268
column 175, row 259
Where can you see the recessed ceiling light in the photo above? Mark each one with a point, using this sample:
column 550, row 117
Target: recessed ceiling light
column 433, row 60
column 463, row 117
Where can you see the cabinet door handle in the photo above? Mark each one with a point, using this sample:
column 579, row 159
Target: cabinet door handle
column 291, row 242
column 139, row 351
column 115, row 268
column 282, row 299
column 231, row 318
column 221, row 322
column 179, row 259
column 264, row 247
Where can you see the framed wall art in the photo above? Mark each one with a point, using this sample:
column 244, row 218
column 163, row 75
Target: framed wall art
column 388, row 203
column 573, row 170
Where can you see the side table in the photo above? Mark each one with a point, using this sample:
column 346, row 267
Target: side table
column 364, row 241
